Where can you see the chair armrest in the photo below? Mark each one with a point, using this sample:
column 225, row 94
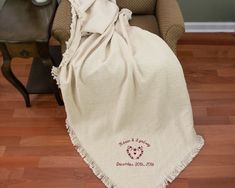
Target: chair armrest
column 62, row 22
column 171, row 22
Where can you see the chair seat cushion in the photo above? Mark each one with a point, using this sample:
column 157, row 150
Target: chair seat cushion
column 138, row 6
column 147, row 22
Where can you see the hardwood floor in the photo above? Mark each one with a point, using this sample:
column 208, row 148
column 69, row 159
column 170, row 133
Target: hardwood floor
column 36, row 152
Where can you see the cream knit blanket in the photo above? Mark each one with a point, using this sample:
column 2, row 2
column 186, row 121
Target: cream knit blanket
column 128, row 109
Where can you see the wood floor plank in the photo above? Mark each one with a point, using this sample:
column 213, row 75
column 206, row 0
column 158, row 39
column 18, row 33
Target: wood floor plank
column 199, row 111
column 209, row 95
column 4, row 173
column 212, row 182
column 31, row 131
column 45, row 141
column 2, row 150
column 11, row 173
column 32, row 122
column 215, row 38
column 10, row 140
column 61, row 162
column 221, row 110
column 232, row 119
column 82, row 174
column 209, row 51
column 208, row 172
column 59, row 183
column 203, row 104
column 211, row 120
column 205, row 79
column 38, row 112
column 94, row 185
column 67, row 150
column 6, row 113
column 214, row 160
column 222, row 136
column 18, row 162
column 226, row 72
column 218, row 149
column 179, row 183
column 215, row 87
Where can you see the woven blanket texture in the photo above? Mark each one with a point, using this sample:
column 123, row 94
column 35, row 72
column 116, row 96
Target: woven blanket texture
column 128, row 110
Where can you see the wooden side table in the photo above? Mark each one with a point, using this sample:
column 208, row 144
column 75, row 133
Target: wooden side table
column 25, row 32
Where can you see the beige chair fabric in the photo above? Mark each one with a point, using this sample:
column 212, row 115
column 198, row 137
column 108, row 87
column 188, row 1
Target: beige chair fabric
column 138, row 6
column 147, row 22
column 162, row 17
column 171, row 22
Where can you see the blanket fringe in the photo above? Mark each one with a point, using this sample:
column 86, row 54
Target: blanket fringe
column 106, row 180
column 96, row 170
column 67, row 54
column 55, row 73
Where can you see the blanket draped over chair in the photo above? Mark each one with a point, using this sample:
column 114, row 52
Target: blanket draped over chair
column 128, row 109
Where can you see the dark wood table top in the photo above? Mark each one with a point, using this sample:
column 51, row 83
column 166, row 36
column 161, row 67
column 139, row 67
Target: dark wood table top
column 22, row 21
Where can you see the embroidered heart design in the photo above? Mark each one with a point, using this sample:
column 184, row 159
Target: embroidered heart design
column 135, row 152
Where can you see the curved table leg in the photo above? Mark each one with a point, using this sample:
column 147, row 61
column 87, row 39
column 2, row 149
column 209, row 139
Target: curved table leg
column 8, row 74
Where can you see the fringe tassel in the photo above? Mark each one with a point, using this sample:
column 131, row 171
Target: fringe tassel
column 96, row 170
column 67, row 54
column 55, row 73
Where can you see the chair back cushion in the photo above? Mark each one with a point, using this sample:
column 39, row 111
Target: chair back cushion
column 138, row 6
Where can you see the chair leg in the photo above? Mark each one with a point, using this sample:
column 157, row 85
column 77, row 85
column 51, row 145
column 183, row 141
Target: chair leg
column 48, row 65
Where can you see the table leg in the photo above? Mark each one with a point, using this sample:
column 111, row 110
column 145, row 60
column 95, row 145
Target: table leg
column 48, row 66
column 8, row 74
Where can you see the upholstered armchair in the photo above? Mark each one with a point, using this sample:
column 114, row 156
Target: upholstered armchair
column 162, row 17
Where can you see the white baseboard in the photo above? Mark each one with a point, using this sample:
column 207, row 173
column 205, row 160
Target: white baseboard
column 210, row 26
